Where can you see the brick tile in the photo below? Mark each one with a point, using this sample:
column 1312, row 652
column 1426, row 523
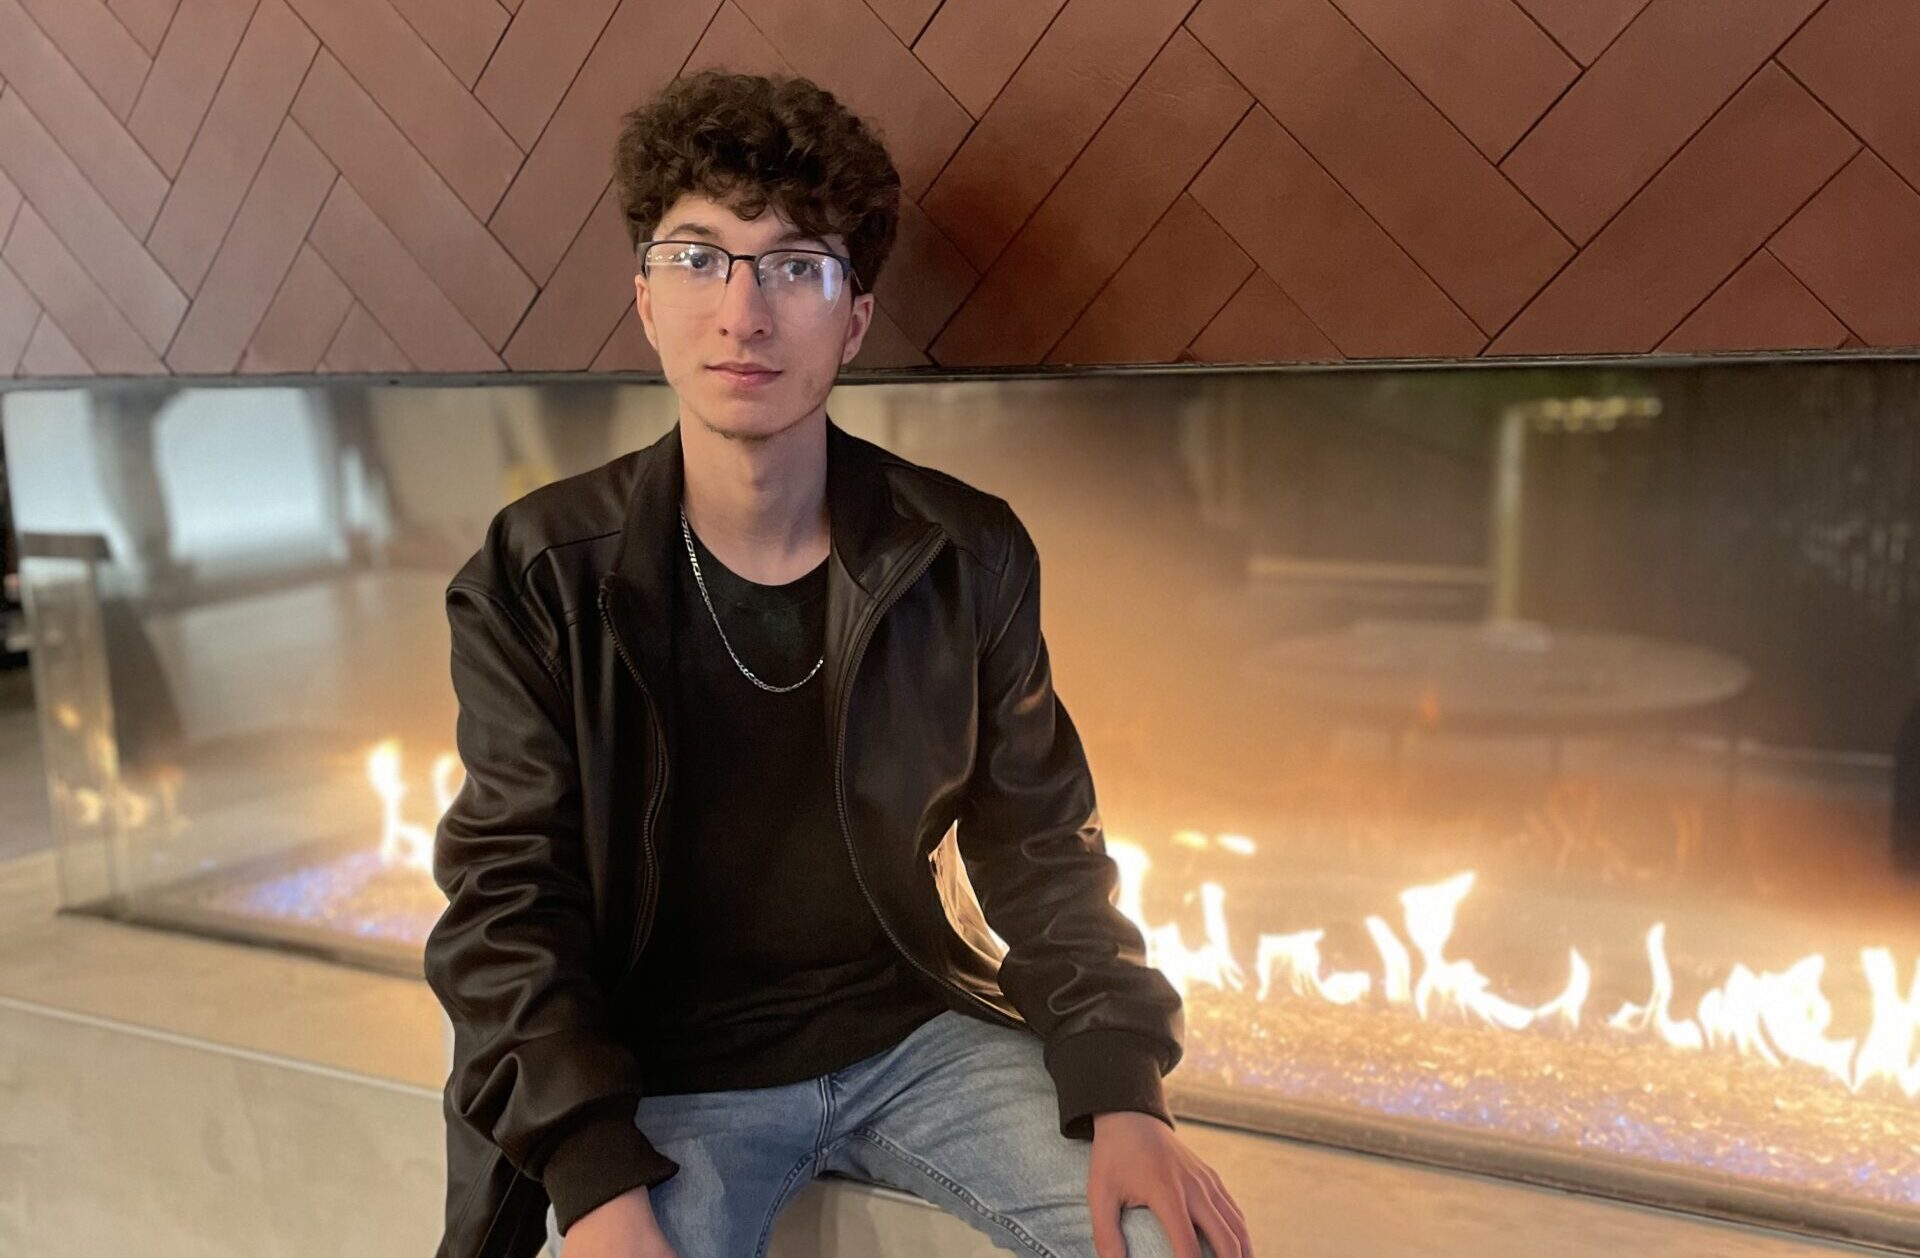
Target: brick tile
column 1356, row 285
column 1082, row 67
column 9, row 201
column 19, row 312
column 67, row 293
column 557, row 187
column 92, row 138
column 1485, row 64
column 627, row 348
column 845, row 48
column 386, row 280
column 100, row 47
column 246, row 112
column 1857, row 247
column 541, row 52
column 1641, row 101
column 905, row 18
column 88, row 226
column 886, row 347
column 1584, row 27
column 1761, row 306
column 1134, row 168
column 146, row 19
column 362, row 345
column 1731, row 187
column 434, row 109
column 463, row 32
column 736, row 44
column 589, row 289
column 301, row 321
column 1166, row 292
column 410, row 198
column 974, row 46
column 186, row 72
column 1858, row 57
column 926, row 277
column 1393, row 152
column 50, row 353
column 1261, row 324
column 267, row 233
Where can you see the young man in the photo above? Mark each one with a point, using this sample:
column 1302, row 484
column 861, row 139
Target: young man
column 719, row 700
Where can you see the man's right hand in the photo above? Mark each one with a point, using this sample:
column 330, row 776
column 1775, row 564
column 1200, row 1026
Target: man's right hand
column 623, row 1227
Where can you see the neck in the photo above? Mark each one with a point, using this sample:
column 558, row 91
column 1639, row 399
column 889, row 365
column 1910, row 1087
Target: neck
column 759, row 505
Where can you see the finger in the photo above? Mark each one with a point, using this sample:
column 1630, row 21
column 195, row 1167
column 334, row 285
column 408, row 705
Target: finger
column 1107, row 1240
column 1237, row 1219
column 1219, row 1231
column 1176, row 1219
column 1224, row 1202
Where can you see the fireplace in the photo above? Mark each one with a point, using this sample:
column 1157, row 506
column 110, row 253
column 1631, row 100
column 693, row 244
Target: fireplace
column 1516, row 766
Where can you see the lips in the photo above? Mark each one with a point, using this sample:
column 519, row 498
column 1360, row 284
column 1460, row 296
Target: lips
column 744, row 380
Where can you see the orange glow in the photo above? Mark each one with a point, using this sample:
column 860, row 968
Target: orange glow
column 405, row 843
column 1775, row 1017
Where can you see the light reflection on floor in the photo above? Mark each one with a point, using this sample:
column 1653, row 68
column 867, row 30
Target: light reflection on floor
column 353, row 894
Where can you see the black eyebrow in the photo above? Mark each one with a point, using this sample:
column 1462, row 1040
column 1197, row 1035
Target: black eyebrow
column 701, row 229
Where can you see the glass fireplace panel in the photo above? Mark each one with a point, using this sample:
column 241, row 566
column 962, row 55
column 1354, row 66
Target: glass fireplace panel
column 1516, row 765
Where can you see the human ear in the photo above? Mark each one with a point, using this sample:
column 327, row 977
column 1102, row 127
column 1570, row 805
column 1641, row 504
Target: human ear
column 643, row 302
column 857, row 327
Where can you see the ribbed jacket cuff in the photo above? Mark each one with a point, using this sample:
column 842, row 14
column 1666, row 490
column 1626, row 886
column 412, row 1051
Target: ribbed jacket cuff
column 597, row 1163
column 1098, row 1072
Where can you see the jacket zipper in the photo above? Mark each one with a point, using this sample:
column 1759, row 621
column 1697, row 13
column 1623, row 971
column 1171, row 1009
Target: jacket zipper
column 839, row 788
column 659, row 790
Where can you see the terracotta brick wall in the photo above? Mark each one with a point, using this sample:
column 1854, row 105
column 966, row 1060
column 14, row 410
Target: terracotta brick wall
column 239, row 186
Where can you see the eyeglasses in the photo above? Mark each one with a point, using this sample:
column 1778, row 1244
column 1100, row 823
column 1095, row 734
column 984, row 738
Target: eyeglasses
column 690, row 276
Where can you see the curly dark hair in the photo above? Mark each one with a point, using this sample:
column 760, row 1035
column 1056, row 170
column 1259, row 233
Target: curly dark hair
column 749, row 140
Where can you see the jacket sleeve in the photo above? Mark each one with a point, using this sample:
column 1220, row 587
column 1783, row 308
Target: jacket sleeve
column 537, row 1068
column 1031, row 835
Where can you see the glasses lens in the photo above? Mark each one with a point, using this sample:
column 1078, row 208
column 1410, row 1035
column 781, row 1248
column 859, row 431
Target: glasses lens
column 800, row 281
column 686, row 275
column 796, row 283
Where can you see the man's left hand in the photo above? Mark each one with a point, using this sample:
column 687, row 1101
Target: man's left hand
column 1138, row 1160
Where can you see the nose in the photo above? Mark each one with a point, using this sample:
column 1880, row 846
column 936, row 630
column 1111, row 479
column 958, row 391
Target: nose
column 743, row 307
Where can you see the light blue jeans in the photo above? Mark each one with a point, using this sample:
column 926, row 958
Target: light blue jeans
column 962, row 1113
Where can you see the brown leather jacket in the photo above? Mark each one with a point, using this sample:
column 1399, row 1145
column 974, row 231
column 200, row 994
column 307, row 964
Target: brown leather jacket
column 942, row 713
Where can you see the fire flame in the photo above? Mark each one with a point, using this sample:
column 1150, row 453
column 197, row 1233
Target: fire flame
column 1774, row 1017
column 405, row 843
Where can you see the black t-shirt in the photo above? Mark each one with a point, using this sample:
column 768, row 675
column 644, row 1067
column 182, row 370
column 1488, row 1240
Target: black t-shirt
column 766, row 964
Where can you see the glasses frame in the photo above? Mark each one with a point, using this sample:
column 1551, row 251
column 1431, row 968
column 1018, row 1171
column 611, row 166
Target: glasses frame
column 853, row 276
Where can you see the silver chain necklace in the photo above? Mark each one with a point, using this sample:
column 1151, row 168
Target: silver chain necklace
column 686, row 533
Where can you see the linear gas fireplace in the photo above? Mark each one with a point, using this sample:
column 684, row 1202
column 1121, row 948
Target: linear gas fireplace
column 1515, row 765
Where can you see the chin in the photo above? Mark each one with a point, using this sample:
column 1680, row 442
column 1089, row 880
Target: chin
column 745, row 418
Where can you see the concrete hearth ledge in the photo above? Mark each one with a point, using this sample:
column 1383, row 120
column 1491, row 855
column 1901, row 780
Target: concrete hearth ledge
column 167, row 1095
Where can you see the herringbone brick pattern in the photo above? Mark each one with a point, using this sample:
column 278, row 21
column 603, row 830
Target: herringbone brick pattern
column 258, row 186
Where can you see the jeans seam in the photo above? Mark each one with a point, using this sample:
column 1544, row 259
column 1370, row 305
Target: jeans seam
column 779, row 1200
column 826, row 1114
column 958, row 1190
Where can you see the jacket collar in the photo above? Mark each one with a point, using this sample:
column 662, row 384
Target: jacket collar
column 870, row 541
